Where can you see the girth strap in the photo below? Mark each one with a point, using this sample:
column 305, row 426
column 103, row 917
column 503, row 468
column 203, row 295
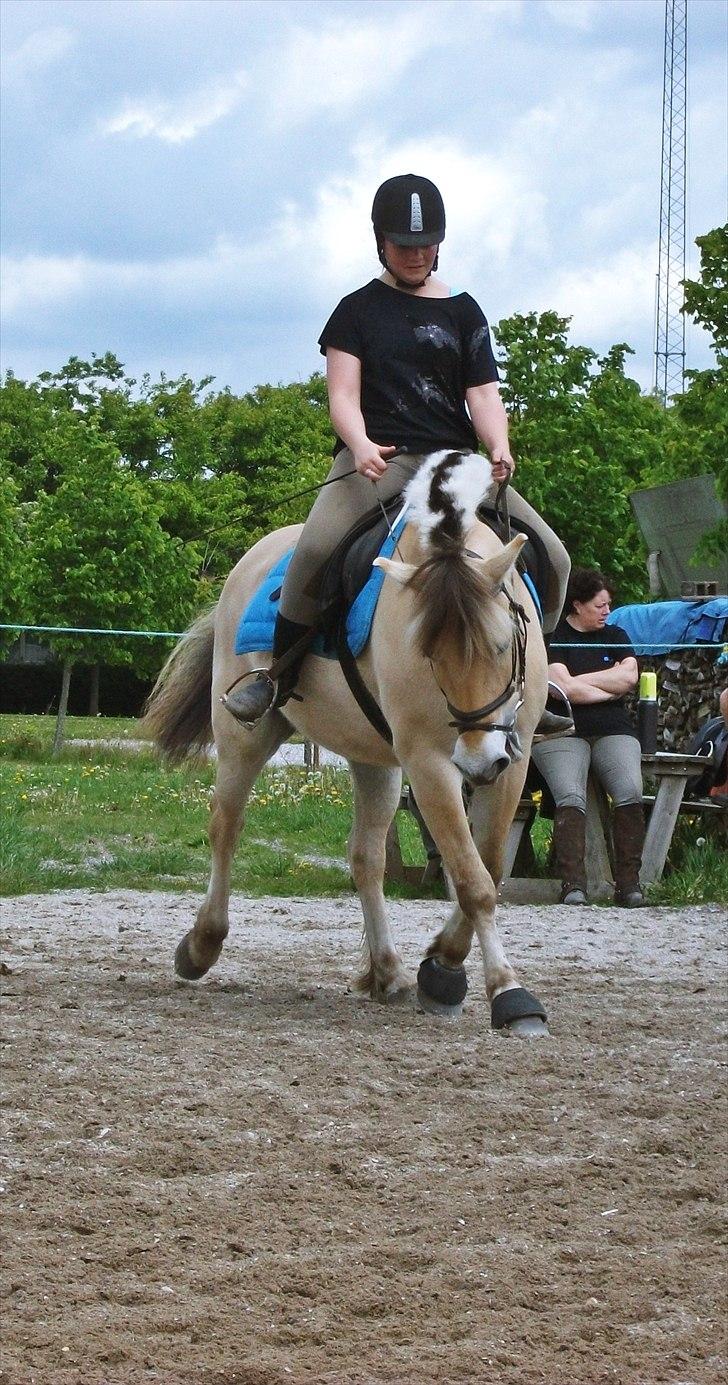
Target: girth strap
column 368, row 703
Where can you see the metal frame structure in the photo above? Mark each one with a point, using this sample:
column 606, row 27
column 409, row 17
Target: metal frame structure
column 670, row 320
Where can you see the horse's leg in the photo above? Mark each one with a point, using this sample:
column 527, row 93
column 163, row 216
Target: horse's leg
column 241, row 757
column 442, row 980
column 491, row 812
column 376, row 798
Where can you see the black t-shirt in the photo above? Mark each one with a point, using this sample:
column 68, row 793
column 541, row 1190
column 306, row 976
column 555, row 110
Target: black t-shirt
column 418, row 357
column 594, row 718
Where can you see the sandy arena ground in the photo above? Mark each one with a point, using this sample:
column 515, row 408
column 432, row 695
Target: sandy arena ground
column 264, row 1179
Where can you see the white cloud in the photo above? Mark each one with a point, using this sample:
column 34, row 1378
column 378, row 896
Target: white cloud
column 39, row 51
column 573, row 14
column 613, row 299
column 339, row 66
column 307, row 255
column 175, row 122
column 32, row 282
column 490, row 207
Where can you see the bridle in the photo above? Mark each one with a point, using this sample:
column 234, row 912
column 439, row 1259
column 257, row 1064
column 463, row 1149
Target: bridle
column 475, row 721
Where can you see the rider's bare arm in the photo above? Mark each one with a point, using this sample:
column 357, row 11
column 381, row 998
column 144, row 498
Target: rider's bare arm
column 343, row 380
column 490, row 422
column 618, row 680
column 575, row 686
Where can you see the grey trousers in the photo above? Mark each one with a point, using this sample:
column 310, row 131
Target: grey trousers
column 565, row 763
column 339, row 506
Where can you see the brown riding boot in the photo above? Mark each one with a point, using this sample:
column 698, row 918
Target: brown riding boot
column 569, row 845
column 628, row 829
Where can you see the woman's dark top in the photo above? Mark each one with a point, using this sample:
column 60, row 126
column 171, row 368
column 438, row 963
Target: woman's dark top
column 418, row 357
column 594, row 718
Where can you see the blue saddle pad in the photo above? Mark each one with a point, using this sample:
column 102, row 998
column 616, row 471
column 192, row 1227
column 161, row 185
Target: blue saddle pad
column 257, row 623
column 255, row 629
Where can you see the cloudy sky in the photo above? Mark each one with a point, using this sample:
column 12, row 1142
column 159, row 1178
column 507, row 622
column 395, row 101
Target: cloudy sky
column 188, row 183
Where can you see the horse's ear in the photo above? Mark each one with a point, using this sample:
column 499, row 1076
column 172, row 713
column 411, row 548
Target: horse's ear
column 401, row 572
column 496, row 568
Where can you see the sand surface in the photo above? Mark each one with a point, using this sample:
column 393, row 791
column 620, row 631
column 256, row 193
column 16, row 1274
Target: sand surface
column 264, row 1179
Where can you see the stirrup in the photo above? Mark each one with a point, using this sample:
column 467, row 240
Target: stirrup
column 260, row 675
column 553, row 724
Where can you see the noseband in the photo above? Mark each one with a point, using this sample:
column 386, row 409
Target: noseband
column 474, row 721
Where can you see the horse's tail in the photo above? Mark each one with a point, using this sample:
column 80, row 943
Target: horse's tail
column 178, row 712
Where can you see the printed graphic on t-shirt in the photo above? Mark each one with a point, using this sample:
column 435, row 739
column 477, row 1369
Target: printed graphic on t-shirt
column 437, row 336
column 430, row 391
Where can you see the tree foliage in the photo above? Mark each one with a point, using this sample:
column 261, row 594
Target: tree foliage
column 101, row 559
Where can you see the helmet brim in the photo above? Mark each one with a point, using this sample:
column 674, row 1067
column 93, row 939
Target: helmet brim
column 413, row 238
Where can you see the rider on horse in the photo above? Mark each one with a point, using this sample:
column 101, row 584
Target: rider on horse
column 410, row 370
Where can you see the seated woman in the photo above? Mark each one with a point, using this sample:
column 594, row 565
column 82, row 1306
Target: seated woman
column 595, row 665
column 410, row 370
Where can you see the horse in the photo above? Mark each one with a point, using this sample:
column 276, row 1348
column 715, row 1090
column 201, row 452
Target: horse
column 456, row 662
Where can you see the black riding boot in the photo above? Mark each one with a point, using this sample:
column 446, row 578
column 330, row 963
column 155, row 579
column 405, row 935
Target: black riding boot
column 251, row 699
column 569, row 853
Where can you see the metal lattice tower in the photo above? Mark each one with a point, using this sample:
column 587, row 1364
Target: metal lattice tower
column 670, row 326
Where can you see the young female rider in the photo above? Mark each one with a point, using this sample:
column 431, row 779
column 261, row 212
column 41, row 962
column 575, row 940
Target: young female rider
column 410, row 370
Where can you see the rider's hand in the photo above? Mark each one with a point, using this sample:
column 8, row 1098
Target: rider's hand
column 371, row 460
column 502, row 463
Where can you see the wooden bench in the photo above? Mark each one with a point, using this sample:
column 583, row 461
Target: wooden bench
column 671, row 773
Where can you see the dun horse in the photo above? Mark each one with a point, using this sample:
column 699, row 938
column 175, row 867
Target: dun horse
column 456, row 662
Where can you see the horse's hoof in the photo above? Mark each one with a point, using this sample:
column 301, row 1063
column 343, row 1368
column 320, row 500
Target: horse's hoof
column 530, row 1028
column 441, row 990
column 183, row 964
column 435, row 1007
column 520, row 1013
column 398, row 995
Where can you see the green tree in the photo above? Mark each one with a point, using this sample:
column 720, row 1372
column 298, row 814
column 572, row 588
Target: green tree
column 101, row 559
column 583, row 435
column 696, row 437
column 15, row 561
column 706, row 298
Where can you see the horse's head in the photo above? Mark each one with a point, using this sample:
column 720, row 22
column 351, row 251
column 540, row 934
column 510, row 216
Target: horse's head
column 468, row 625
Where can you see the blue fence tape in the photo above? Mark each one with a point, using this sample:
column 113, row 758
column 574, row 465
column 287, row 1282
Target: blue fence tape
column 177, row 634
column 80, row 630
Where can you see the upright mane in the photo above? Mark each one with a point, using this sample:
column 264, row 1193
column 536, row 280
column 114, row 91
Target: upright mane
column 454, row 599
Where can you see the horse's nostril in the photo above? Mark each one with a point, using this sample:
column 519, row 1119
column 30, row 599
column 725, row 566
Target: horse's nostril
column 486, row 775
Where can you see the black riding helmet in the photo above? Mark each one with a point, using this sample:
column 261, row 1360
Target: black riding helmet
column 408, row 210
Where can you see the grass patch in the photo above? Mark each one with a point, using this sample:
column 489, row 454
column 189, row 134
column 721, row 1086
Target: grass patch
column 31, row 737
column 106, row 816
column 697, row 869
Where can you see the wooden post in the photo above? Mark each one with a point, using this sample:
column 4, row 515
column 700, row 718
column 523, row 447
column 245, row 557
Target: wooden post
column 62, row 706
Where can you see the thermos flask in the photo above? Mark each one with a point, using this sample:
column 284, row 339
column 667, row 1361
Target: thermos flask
column 647, row 713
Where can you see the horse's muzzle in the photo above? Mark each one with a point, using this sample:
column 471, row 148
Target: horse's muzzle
column 486, row 763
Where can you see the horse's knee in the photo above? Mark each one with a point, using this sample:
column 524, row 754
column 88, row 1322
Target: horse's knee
column 475, row 897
